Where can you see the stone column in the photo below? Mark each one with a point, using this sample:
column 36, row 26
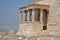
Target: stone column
column 28, row 16
column 20, row 16
column 24, row 16
column 36, row 15
column 41, row 15
column 33, row 15
column 41, row 19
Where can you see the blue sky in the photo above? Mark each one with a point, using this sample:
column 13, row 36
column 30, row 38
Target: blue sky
column 9, row 10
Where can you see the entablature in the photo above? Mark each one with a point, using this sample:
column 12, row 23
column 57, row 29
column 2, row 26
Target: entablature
column 34, row 6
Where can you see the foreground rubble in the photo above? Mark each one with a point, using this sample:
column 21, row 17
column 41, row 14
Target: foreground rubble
column 11, row 35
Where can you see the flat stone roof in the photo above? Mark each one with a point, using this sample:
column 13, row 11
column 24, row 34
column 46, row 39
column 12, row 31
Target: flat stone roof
column 43, row 3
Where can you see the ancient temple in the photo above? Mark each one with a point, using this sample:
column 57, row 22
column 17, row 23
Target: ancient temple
column 36, row 19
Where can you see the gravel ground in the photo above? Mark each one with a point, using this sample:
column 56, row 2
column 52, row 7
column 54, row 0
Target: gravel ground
column 11, row 35
column 8, row 37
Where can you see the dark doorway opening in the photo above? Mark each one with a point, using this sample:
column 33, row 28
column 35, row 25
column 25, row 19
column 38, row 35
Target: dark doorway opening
column 44, row 27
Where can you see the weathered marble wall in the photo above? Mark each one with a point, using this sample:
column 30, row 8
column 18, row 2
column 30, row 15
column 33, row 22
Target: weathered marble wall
column 54, row 20
column 54, row 17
